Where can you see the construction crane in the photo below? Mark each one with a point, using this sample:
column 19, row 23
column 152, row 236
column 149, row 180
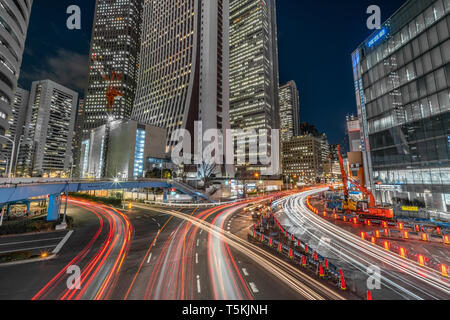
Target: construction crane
column 371, row 210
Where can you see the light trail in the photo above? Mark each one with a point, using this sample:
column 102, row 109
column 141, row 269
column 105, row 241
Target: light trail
column 100, row 273
column 357, row 252
column 305, row 285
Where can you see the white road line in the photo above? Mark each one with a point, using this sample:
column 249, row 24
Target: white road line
column 245, row 272
column 198, row 242
column 29, row 241
column 201, row 231
column 63, row 242
column 196, row 258
column 149, row 257
column 199, row 289
column 254, row 288
column 26, row 249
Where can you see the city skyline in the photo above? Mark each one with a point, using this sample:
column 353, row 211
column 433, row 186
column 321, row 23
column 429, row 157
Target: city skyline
column 65, row 53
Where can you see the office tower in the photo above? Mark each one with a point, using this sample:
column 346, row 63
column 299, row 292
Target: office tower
column 14, row 18
column 303, row 158
column 132, row 148
column 354, row 133
column 78, row 137
column 289, row 111
column 402, row 78
column 115, row 47
column 49, row 127
column 184, row 66
column 16, row 123
column 254, row 67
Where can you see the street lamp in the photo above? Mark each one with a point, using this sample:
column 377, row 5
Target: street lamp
column 12, row 154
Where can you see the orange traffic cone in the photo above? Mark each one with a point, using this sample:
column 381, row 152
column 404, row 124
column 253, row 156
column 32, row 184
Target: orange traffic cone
column 280, row 247
column 291, row 253
column 315, row 256
column 326, row 264
column 444, row 270
column 321, row 272
column 303, row 261
column 369, row 295
column 306, row 248
column 343, row 286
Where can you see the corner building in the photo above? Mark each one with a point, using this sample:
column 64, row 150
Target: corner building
column 402, row 80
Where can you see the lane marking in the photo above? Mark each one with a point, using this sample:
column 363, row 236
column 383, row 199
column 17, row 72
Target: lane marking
column 201, row 231
column 25, row 249
column 198, row 242
column 149, row 257
column 63, row 242
column 29, row 241
column 254, row 288
column 245, row 272
column 199, row 289
column 196, row 258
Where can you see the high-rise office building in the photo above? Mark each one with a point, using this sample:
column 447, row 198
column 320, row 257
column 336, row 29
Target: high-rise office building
column 254, row 66
column 303, row 158
column 183, row 74
column 402, row 80
column 16, row 124
column 289, row 111
column 14, row 18
column 49, row 128
column 115, row 47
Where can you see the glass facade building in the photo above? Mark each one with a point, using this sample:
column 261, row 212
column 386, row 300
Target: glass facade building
column 402, row 80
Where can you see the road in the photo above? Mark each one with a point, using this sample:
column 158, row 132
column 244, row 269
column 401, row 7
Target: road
column 401, row 279
column 152, row 253
column 97, row 248
column 192, row 256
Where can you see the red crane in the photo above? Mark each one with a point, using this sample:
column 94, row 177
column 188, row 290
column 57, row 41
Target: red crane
column 373, row 210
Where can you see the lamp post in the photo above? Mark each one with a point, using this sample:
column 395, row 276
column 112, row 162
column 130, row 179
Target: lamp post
column 12, row 155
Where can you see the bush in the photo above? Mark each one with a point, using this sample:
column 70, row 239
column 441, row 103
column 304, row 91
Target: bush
column 115, row 202
column 14, row 256
column 32, row 225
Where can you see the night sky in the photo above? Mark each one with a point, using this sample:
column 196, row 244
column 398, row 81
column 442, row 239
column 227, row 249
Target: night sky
column 316, row 39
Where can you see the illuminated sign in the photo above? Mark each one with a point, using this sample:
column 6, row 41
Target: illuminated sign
column 414, row 209
column 377, row 38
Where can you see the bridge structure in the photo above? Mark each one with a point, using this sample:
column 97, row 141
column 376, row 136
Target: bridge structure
column 21, row 190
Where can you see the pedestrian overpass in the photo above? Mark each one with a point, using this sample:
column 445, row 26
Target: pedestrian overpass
column 17, row 190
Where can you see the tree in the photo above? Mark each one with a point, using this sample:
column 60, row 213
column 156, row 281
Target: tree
column 244, row 175
column 206, row 171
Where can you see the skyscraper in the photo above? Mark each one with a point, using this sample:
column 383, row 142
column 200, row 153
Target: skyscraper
column 115, row 47
column 402, row 86
column 254, row 66
column 49, row 127
column 16, row 122
column 184, row 66
column 14, row 18
column 289, row 111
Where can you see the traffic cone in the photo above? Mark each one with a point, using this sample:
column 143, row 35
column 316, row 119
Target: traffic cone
column 402, row 252
column 424, row 237
column 291, row 253
column 326, row 264
column 444, row 270
column 262, row 237
column 400, row 225
column 384, row 224
column 306, row 248
column 417, row 228
column 373, row 240
column 446, row 240
column 299, row 243
column 343, row 286
column 421, row 260
column 315, row 256
column 280, row 247
column 405, row 234
column 377, row 233
column 293, row 239
column 321, row 272
column 438, row 231
column 369, row 295
column 363, row 236
column 271, row 242
column 303, row 261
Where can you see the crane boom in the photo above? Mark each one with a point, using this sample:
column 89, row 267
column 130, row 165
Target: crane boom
column 343, row 173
